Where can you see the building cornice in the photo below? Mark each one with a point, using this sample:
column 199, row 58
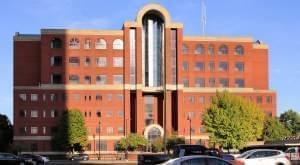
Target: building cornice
column 81, row 32
column 233, row 90
column 27, row 37
column 210, row 38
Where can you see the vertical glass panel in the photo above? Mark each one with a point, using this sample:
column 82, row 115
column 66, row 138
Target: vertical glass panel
column 132, row 56
column 174, row 56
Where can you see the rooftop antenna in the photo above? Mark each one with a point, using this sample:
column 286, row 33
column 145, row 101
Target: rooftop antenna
column 203, row 16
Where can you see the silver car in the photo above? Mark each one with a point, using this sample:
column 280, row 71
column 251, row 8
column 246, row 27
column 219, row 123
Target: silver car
column 197, row 160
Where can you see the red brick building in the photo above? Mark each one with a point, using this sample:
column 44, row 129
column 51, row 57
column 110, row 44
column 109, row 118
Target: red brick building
column 123, row 73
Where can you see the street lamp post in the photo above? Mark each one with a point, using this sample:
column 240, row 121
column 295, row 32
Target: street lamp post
column 99, row 145
column 94, row 143
column 190, row 120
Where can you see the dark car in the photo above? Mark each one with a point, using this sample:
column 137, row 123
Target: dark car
column 186, row 150
column 80, row 157
column 34, row 159
column 10, row 159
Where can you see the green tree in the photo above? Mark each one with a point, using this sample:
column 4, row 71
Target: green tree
column 291, row 120
column 232, row 121
column 274, row 130
column 173, row 141
column 6, row 133
column 132, row 142
column 157, row 145
column 71, row 134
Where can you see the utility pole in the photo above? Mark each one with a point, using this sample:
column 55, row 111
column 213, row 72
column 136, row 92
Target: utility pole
column 190, row 120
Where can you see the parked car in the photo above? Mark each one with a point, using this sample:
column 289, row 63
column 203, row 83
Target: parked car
column 197, row 160
column 187, row 150
column 34, row 159
column 262, row 157
column 293, row 153
column 10, row 159
column 80, row 157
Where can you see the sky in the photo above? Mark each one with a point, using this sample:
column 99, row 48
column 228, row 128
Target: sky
column 274, row 22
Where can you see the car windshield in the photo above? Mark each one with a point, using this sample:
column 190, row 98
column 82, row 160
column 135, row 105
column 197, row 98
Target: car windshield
column 243, row 155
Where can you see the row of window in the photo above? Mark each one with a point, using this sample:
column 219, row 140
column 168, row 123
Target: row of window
column 222, row 50
column 74, row 43
column 63, row 97
column 203, row 99
column 211, row 82
column 75, row 61
column 223, row 66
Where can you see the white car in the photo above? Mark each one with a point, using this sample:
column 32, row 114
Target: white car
column 197, row 160
column 262, row 157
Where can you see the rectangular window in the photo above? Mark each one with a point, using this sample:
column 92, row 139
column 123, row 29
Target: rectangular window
column 56, row 61
column 110, row 130
column 269, row 99
column 119, row 97
column 101, row 61
column 87, row 79
column 74, row 61
column 132, row 56
column 185, row 82
column 174, row 55
column 117, row 61
column 76, row 97
column 109, row 113
column 259, row 99
column 199, row 66
column 56, row 78
column 109, row 97
column 117, row 79
column 34, row 130
column 22, row 96
column 44, row 114
column 101, row 79
column 211, row 82
column 148, row 109
column 87, row 44
column 191, row 99
column 199, row 82
column 74, row 79
column 44, row 130
column 34, row 97
column 201, row 99
column 98, row 97
column 103, row 146
column 224, row 82
column 191, row 115
column 239, row 83
column 120, row 130
column 53, row 97
column 239, row 66
column 87, row 61
column 185, row 66
column 121, row 113
column 34, row 113
column 211, row 66
column 23, row 113
column 223, row 66
column 53, row 113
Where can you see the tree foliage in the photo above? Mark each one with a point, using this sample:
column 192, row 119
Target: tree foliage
column 71, row 134
column 291, row 120
column 6, row 133
column 274, row 130
column 232, row 121
column 132, row 142
column 173, row 141
column 157, row 145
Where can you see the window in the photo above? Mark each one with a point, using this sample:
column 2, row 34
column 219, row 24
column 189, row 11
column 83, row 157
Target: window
column 191, row 99
column 56, row 78
column 56, row 43
column 34, row 114
column 199, row 49
column 74, row 61
column 259, row 99
column 76, row 97
column 23, row 130
column 194, row 161
column 117, row 79
column 239, row 83
column 87, row 79
column 109, row 97
column 103, row 146
column 223, row 50
column 110, row 130
column 190, row 115
column 202, row 129
column 119, row 97
column 120, row 130
column 118, row 61
column 44, row 113
column 211, row 82
column 56, row 61
column 34, row 97
column 74, row 79
column 22, row 96
column 101, row 79
column 118, row 44
column 199, row 66
column 239, row 50
column 239, row 66
column 44, row 130
column 74, row 43
column 98, row 97
column 100, row 44
column 23, row 113
column 185, row 82
column 211, row 50
column 101, row 61
column 185, row 66
column 269, row 99
column 87, row 61
column 53, row 97
column 201, row 99
column 223, row 66
column 121, row 113
column 224, row 82
column 109, row 113
column 87, row 44
column 200, row 82
column 53, row 113
column 34, row 130
column 185, row 49
column 211, row 66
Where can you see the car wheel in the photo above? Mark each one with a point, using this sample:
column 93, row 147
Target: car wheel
column 280, row 164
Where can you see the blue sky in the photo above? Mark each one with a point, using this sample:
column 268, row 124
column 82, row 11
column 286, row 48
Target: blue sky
column 274, row 22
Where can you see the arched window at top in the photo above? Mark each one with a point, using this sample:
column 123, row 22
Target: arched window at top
column 118, row 44
column 211, row 49
column 74, row 43
column 100, row 44
column 199, row 49
column 239, row 50
column 223, row 50
column 87, row 44
column 56, row 43
column 185, row 49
